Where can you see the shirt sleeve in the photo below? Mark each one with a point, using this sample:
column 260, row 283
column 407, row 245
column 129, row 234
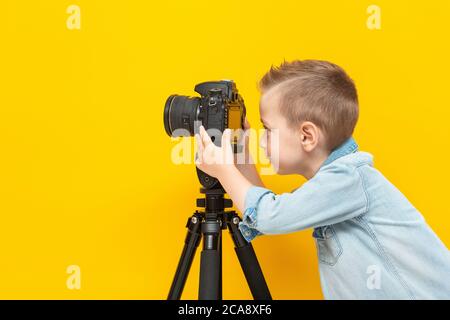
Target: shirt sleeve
column 335, row 194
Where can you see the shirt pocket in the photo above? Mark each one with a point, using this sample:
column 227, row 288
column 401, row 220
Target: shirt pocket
column 328, row 246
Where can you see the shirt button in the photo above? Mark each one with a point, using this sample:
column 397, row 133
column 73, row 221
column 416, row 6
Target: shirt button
column 247, row 233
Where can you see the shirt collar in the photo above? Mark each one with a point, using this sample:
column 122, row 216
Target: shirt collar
column 347, row 147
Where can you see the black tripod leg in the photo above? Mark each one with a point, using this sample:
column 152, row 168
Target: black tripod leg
column 248, row 260
column 210, row 260
column 191, row 243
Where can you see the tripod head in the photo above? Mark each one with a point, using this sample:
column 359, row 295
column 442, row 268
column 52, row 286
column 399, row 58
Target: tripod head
column 214, row 202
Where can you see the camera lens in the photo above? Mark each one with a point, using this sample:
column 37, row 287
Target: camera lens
column 180, row 112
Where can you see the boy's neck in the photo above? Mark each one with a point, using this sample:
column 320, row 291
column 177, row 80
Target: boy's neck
column 315, row 163
column 320, row 156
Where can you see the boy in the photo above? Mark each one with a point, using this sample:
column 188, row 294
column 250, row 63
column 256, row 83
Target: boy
column 372, row 243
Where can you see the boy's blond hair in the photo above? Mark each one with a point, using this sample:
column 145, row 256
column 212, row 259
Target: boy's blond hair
column 316, row 91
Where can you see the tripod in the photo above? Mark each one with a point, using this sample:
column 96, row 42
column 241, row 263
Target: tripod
column 209, row 225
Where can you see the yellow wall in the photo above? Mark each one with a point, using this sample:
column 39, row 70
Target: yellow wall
column 85, row 171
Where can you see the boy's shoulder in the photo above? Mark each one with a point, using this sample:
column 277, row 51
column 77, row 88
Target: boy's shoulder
column 354, row 159
column 345, row 169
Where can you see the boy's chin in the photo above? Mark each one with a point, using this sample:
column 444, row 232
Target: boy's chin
column 281, row 170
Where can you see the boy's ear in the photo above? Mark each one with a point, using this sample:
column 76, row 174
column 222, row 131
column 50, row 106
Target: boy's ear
column 309, row 135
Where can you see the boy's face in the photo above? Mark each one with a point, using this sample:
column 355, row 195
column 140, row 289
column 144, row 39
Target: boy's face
column 280, row 143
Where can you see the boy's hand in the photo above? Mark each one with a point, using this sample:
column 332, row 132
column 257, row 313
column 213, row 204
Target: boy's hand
column 211, row 159
column 218, row 162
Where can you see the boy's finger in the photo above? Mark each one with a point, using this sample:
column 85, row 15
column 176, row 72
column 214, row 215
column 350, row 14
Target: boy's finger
column 199, row 154
column 226, row 143
column 226, row 138
column 205, row 137
column 199, row 142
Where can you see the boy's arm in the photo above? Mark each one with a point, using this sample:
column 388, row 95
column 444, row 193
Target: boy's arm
column 334, row 195
column 236, row 185
column 249, row 171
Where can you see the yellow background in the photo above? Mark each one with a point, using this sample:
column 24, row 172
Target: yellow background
column 85, row 172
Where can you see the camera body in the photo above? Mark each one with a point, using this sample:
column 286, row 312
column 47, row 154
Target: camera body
column 220, row 106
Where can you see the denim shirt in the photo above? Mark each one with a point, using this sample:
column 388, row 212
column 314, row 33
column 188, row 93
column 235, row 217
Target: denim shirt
column 372, row 243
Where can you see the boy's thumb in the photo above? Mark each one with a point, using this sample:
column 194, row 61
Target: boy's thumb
column 226, row 144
